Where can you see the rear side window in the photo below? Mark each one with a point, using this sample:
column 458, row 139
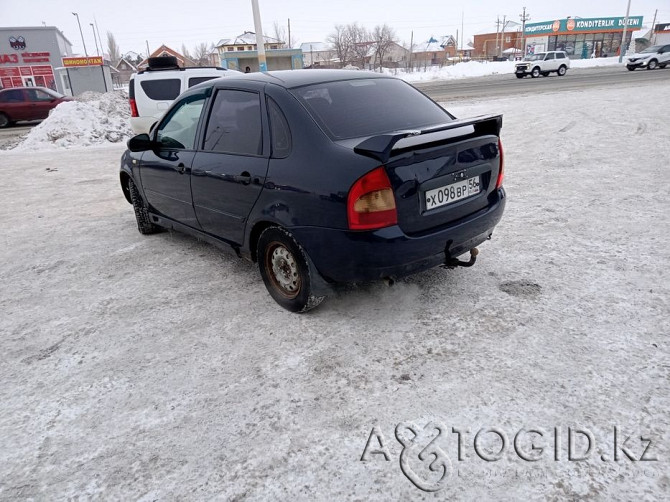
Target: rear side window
column 235, row 124
column 162, row 90
column 14, row 96
column 279, row 131
column 368, row 107
column 560, row 55
column 198, row 80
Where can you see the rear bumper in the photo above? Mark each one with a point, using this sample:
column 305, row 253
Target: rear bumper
column 346, row 256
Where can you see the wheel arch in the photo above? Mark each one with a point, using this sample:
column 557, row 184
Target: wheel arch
column 125, row 185
column 255, row 233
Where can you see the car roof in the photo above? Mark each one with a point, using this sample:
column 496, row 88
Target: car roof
column 298, row 78
column 27, row 87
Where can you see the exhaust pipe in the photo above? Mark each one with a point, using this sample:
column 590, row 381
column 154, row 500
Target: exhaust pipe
column 452, row 263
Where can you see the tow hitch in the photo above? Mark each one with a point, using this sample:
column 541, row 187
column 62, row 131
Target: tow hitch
column 452, row 263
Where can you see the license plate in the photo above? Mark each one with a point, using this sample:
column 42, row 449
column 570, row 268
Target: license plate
column 452, row 193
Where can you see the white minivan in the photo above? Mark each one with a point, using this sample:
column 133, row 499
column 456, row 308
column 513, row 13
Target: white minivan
column 153, row 90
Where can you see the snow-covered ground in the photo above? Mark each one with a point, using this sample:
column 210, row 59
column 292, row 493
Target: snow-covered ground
column 484, row 68
column 158, row 368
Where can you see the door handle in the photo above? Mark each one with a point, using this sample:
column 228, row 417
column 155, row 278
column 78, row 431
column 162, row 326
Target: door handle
column 244, row 178
column 181, row 168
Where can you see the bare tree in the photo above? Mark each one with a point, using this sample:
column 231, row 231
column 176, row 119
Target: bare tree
column 113, row 48
column 201, row 54
column 279, row 32
column 384, row 37
column 184, row 51
column 351, row 43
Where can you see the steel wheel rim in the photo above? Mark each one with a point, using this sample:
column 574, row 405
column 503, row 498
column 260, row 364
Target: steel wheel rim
column 282, row 269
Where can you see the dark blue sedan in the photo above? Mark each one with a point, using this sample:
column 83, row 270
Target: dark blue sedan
column 320, row 176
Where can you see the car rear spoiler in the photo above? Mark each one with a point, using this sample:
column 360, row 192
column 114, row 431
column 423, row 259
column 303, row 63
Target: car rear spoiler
column 380, row 147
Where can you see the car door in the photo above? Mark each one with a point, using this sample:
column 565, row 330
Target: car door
column 14, row 104
column 230, row 170
column 165, row 172
column 550, row 63
column 39, row 103
column 664, row 55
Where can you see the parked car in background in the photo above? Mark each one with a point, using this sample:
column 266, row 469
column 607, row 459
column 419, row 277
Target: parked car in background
column 650, row 58
column 152, row 91
column 320, row 177
column 543, row 63
column 28, row 103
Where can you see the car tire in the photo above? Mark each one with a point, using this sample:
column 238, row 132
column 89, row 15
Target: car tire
column 144, row 224
column 520, row 75
column 562, row 70
column 535, row 72
column 286, row 270
column 631, row 68
column 4, row 120
column 651, row 65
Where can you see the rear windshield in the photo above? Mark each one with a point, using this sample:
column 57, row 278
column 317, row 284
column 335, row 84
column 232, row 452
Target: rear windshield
column 162, row 90
column 367, row 107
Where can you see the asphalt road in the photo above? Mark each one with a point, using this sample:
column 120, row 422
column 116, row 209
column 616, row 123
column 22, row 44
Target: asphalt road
column 508, row 84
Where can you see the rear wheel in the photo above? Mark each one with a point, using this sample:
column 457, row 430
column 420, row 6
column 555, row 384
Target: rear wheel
column 561, row 70
column 652, row 64
column 535, row 73
column 285, row 270
column 144, row 224
column 4, row 120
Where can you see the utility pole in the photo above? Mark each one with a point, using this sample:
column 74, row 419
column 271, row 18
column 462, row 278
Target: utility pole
column 622, row 47
column 411, row 49
column 82, row 35
column 497, row 31
column 102, row 47
column 462, row 24
column 289, row 34
column 502, row 36
column 148, row 52
column 524, row 18
column 653, row 31
column 260, row 41
column 97, row 51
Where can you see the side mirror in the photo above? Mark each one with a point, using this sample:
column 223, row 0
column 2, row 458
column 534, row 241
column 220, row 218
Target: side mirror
column 140, row 143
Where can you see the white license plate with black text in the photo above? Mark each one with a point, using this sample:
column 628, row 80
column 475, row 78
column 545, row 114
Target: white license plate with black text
column 452, row 193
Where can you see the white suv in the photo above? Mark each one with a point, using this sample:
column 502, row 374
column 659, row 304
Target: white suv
column 543, row 63
column 152, row 91
column 650, row 58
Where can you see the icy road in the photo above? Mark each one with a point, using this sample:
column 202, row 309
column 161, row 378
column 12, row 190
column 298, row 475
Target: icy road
column 158, row 368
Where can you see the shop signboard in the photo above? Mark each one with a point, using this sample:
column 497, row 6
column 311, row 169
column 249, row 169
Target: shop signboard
column 582, row 25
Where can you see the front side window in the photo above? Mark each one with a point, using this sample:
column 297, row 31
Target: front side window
column 178, row 129
column 36, row 95
column 235, row 124
column 367, row 107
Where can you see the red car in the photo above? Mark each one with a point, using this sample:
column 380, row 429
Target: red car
column 27, row 103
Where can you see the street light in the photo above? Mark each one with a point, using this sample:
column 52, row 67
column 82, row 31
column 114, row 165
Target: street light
column 81, row 33
column 97, row 51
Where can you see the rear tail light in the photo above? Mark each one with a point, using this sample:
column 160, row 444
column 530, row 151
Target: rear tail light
column 133, row 109
column 371, row 203
column 501, row 172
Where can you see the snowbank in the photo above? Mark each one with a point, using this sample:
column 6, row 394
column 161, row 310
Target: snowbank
column 92, row 119
column 484, row 68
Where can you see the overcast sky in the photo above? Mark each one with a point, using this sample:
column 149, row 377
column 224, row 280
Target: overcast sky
column 172, row 22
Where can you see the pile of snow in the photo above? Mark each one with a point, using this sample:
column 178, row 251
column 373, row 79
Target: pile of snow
column 92, row 119
column 484, row 68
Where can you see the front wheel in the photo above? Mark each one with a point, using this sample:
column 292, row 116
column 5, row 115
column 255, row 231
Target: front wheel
column 652, row 64
column 285, row 270
column 4, row 120
column 535, row 73
column 144, row 224
column 561, row 70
